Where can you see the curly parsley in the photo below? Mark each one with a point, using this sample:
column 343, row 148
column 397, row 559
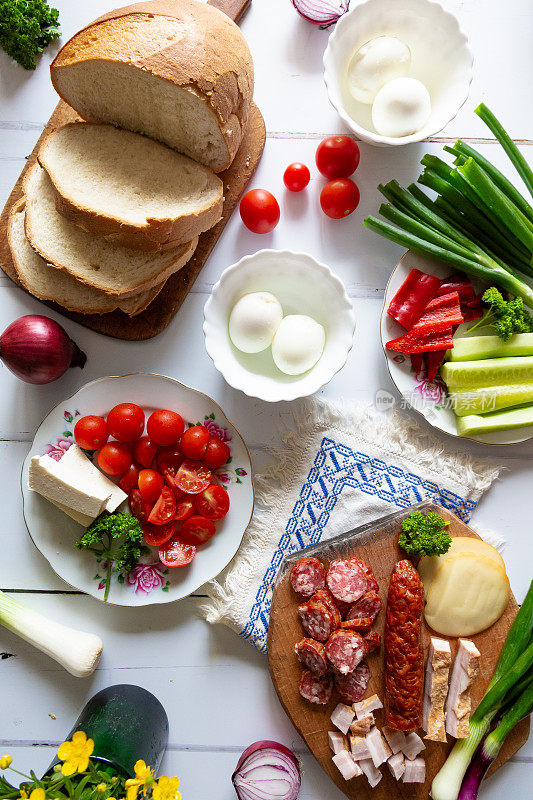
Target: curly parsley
column 505, row 317
column 26, row 28
column 424, row 535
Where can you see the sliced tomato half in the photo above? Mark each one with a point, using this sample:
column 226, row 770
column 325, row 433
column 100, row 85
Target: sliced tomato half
column 156, row 535
column 176, row 553
column 164, row 509
column 193, row 477
column 139, row 507
column 184, row 508
column 213, row 502
column 197, row 530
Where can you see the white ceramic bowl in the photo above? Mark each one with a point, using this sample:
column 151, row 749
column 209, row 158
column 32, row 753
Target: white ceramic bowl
column 441, row 59
column 303, row 286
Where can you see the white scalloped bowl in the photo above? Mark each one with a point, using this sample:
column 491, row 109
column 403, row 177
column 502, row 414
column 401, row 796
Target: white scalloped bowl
column 303, row 286
column 441, row 59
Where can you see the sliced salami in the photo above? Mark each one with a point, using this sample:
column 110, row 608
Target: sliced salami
column 345, row 649
column 308, row 576
column 317, row 620
column 369, row 605
column 316, row 689
column 312, row 655
column 372, row 642
column 352, row 687
column 344, row 608
column 361, row 625
column 346, row 581
column 327, row 598
column 373, row 585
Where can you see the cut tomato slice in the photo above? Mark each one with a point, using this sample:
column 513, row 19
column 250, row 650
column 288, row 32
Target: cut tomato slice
column 170, row 479
column 164, row 509
column 184, row 509
column 156, row 535
column 193, row 477
column 176, row 553
column 169, row 457
column 139, row 507
column 213, row 502
column 197, row 530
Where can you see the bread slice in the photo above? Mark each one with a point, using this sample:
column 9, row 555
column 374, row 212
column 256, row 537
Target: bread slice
column 47, row 283
column 179, row 71
column 131, row 190
column 91, row 260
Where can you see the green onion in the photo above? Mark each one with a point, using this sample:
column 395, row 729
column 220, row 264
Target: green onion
column 520, row 163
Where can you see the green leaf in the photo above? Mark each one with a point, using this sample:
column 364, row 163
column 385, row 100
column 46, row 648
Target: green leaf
column 67, row 433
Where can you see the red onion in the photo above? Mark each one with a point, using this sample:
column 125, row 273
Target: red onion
column 37, row 350
column 267, row 771
column 321, row 12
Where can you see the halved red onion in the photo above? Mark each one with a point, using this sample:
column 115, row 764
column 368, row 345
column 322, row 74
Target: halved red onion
column 267, row 771
column 321, row 12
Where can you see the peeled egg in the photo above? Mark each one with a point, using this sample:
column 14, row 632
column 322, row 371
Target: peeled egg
column 298, row 344
column 401, row 107
column 374, row 64
column 254, row 320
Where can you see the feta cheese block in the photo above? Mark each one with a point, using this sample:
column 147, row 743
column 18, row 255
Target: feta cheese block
column 436, row 689
column 359, row 748
column 82, row 519
column 415, row 771
column 458, row 704
column 342, row 717
column 395, row 739
column 366, row 706
column 360, row 727
column 346, row 765
column 396, row 764
column 378, row 747
column 413, row 746
column 373, row 775
column 337, row 741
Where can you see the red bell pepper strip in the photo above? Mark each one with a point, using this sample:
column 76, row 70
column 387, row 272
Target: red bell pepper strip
column 457, row 283
column 440, row 313
column 476, row 301
column 417, row 361
column 470, row 314
column 412, row 297
column 422, row 342
column 433, row 362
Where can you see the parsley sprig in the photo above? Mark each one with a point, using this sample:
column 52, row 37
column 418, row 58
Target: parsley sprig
column 424, row 535
column 26, row 28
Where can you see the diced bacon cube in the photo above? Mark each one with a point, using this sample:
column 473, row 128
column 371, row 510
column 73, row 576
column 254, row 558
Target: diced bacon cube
column 346, row 765
column 342, row 717
column 378, row 747
column 413, row 746
column 396, row 764
column 374, row 775
column 360, row 727
column 415, row 771
column 337, row 741
column 359, row 747
column 364, row 707
column 396, row 739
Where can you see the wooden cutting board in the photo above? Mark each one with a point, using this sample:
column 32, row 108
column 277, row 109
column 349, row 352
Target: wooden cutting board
column 161, row 311
column 377, row 545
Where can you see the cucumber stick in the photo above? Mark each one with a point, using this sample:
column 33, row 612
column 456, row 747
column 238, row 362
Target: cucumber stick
column 461, row 375
column 496, row 421
column 491, row 398
column 472, row 348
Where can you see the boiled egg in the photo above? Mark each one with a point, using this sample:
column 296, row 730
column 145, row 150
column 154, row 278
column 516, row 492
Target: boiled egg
column 298, row 344
column 401, row 107
column 374, row 64
column 254, row 320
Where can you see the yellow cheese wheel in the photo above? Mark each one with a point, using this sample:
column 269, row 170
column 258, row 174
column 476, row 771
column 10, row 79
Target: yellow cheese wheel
column 468, row 594
column 428, row 566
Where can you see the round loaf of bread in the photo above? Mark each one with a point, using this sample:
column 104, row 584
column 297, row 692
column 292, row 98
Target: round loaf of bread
column 179, row 71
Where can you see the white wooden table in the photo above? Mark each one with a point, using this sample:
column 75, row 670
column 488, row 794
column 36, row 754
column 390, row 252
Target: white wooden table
column 214, row 686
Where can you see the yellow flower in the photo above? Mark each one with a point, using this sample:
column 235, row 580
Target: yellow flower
column 76, row 754
column 101, row 788
column 23, row 793
column 144, row 777
column 5, row 762
column 166, row 789
column 38, row 794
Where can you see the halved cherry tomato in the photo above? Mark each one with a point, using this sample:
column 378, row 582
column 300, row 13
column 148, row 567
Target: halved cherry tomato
column 259, row 211
column 337, row 157
column 170, row 479
column 184, row 509
column 126, row 422
column 91, row 432
column 296, row 177
column 164, row 509
column 176, row 553
column 164, row 427
column 216, row 454
column 169, row 457
column 193, row 477
column 194, row 442
column 339, row 198
column 150, row 485
column 114, row 458
column 213, row 502
column 139, row 507
column 156, row 535
column 130, row 479
column 144, row 452
column 197, row 530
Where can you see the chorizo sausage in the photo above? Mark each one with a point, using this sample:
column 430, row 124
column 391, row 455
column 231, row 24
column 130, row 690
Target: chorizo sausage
column 345, row 650
column 308, row 576
column 352, row 687
column 369, row 605
column 316, row 689
column 312, row 655
column 361, row 625
column 346, row 580
column 372, row 642
column 317, row 620
column 327, row 598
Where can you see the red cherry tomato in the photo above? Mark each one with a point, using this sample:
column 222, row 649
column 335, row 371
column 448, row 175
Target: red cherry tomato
column 144, row 452
column 164, row 509
column 259, row 211
column 216, row 454
column 156, row 535
column 213, row 502
column 138, row 507
column 197, row 530
column 169, row 457
column 129, row 480
column 193, row 477
column 91, row 432
column 114, row 458
column 164, row 427
column 337, row 157
column 296, row 177
column 176, row 553
column 126, row 422
column 184, row 509
column 150, row 485
column 194, row 442
column 339, row 198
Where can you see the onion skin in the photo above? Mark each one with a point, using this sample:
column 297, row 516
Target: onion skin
column 267, row 745
column 38, row 350
column 321, row 12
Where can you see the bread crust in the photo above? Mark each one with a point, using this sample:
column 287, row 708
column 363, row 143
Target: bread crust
column 207, row 55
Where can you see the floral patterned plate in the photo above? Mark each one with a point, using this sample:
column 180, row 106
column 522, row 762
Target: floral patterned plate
column 54, row 534
column 428, row 398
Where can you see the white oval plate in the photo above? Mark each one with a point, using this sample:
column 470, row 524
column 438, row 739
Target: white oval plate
column 55, row 534
column 429, row 398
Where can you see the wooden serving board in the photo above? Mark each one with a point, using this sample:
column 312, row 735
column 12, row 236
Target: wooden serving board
column 376, row 544
column 161, row 311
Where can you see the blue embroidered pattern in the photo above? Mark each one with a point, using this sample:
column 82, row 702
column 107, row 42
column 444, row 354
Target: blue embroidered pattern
column 336, row 466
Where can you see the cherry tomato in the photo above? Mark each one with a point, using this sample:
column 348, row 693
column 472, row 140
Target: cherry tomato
column 164, row 427
column 194, row 442
column 91, row 432
column 164, row 509
column 184, row 509
column 169, row 476
column 197, row 530
column 114, row 458
column 216, row 454
column 150, row 485
column 176, row 553
column 144, row 452
column 337, row 157
column 130, row 479
column 339, row 198
column 156, row 535
column 169, row 457
column 296, row 177
column 213, row 502
column 138, row 507
column 193, row 477
column 126, row 422
column 259, row 211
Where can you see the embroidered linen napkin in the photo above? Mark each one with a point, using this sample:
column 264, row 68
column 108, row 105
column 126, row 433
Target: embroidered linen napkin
column 338, row 467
